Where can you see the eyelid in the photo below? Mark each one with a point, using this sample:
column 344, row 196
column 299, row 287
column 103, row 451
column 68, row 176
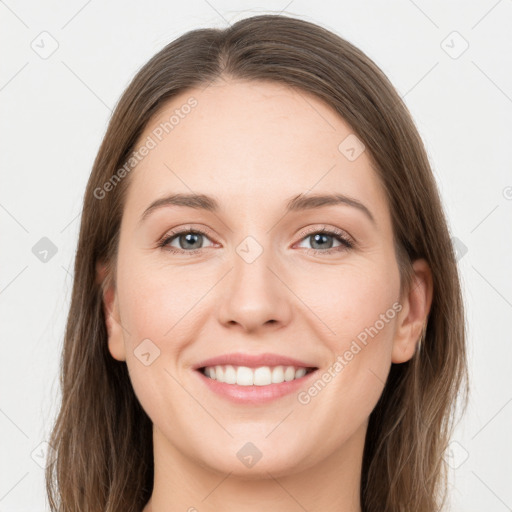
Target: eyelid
column 196, row 228
column 325, row 228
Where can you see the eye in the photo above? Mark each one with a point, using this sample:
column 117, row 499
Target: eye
column 322, row 240
column 188, row 240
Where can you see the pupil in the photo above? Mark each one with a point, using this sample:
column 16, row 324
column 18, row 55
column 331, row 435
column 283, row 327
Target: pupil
column 321, row 236
column 189, row 237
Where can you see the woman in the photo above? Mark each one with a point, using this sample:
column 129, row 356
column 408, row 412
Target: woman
column 250, row 369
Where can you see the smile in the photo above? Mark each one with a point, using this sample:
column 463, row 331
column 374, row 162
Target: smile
column 261, row 376
column 253, row 386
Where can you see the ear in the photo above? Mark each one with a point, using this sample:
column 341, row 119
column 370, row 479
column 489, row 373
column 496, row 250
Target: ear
column 111, row 312
column 413, row 316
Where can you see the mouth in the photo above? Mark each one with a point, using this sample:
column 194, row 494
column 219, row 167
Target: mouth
column 260, row 376
column 242, row 385
column 245, row 378
column 253, row 386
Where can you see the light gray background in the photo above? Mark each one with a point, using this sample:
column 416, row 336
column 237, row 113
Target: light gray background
column 54, row 114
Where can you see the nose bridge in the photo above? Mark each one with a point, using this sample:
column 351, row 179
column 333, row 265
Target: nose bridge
column 251, row 264
column 255, row 296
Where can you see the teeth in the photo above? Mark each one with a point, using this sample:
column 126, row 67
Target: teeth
column 262, row 376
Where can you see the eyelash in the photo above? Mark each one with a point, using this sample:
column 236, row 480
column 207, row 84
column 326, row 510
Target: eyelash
column 346, row 244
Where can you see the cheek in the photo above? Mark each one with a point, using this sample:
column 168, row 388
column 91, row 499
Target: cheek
column 348, row 389
column 362, row 310
column 156, row 312
column 352, row 299
column 369, row 313
column 153, row 301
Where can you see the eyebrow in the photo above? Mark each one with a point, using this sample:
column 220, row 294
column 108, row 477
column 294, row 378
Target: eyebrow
column 297, row 203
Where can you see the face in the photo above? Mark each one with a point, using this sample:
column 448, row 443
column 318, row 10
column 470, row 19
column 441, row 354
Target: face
column 311, row 285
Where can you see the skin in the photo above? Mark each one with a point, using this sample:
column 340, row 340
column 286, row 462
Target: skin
column 251, row 144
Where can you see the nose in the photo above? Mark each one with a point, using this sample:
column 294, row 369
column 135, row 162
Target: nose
column 255, row 296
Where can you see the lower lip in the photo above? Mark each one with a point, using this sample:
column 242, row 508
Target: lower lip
column 254, row 394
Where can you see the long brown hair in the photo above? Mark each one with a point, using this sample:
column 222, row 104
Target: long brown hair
column 102, row 437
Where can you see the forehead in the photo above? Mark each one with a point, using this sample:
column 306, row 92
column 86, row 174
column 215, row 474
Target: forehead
column 254, row 141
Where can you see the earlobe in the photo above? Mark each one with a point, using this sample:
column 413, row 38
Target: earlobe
column 111, row 313
column 413, row 317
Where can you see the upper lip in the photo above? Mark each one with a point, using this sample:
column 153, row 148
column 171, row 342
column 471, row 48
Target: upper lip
column 253, row 361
